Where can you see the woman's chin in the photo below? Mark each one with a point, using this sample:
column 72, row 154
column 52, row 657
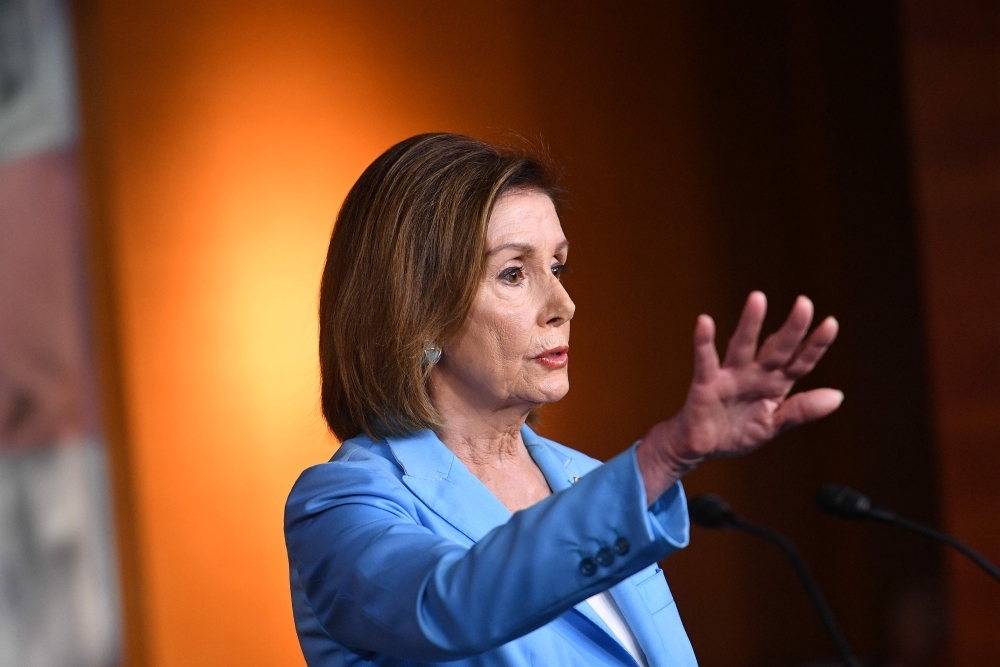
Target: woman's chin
column 553, row 390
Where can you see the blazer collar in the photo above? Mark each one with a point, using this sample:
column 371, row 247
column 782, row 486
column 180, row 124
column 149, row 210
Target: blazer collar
column 435, row 475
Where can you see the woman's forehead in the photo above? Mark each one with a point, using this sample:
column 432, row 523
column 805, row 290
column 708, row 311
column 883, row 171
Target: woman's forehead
column 524, row 218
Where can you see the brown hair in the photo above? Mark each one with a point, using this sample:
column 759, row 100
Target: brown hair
column 402, row 270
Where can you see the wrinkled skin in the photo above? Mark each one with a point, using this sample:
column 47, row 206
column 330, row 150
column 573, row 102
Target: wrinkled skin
column 489, row 377
column 495, row 370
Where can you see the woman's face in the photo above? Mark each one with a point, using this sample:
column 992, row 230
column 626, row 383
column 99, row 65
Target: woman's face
column 513, row 350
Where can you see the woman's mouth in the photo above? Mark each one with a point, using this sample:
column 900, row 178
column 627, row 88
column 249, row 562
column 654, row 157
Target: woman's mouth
column 557, row 357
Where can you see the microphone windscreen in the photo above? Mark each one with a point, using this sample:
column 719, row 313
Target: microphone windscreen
column 710, row 511
column 843, row 502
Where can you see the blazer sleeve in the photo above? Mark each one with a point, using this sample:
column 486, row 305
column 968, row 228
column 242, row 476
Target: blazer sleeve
column 377, row 580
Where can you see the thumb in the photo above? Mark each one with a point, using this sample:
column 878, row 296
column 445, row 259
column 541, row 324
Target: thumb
column 806, row 407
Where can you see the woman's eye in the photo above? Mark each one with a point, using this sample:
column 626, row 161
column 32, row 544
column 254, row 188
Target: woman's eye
column 559, row 270
column 513, row 275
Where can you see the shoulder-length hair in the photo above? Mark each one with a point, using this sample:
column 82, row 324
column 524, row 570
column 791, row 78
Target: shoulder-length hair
column 404, row 264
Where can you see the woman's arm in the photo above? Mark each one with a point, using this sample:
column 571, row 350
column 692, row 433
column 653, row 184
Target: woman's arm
column 377, row 580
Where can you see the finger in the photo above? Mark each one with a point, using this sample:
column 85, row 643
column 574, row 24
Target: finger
column 813, row 349
column 779, row 347
column 706, row 359
column 743, row 345
column 806, row 407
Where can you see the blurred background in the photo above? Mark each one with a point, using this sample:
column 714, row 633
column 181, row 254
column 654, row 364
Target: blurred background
column 169, row 175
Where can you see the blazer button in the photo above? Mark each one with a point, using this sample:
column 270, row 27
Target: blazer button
column 588, row 567
column 622, row 546
column 605, row 557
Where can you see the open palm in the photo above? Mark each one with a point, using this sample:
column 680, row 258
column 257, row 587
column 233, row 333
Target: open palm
column 735, row 406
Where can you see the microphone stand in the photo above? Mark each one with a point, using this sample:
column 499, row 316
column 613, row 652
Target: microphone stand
column 711, row 511
column 973, row 555
column 808, row 582
column 845, row 503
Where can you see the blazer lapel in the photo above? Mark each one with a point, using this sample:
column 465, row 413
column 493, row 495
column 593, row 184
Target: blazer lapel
column 639, row 620
column 560, row 471
column 601, row 634
column 435, row 475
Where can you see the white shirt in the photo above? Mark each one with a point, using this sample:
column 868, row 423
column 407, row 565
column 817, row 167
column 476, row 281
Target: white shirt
column 608, row 610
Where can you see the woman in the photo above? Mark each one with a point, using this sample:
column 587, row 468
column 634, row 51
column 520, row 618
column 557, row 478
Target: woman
column 444, row 528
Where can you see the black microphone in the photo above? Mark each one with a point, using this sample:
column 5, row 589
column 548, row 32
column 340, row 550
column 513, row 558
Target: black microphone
column 711, row 511
column 846, row 503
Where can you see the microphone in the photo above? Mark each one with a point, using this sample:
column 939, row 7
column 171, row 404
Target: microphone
column 711, row 511
column 846, row 503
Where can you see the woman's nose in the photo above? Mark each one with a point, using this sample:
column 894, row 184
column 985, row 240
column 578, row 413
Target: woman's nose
column 559, row 307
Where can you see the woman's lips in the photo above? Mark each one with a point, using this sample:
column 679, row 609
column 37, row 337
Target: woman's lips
column 557, row 357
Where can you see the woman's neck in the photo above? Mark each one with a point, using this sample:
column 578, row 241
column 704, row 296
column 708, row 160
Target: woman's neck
column 493, row 451
column 484, row 443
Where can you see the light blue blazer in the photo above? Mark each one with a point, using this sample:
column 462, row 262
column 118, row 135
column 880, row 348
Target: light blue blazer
column 401, row 556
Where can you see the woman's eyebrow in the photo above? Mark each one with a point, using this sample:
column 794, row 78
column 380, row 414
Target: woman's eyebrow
column 523, row 248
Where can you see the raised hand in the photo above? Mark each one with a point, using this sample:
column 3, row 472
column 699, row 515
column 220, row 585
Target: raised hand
column 734, row 407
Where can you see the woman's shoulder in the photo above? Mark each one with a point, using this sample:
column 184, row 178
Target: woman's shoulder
column 358, row 457
column 360, row 467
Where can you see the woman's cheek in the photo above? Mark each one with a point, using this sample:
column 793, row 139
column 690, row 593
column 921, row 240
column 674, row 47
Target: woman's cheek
column 516, row 338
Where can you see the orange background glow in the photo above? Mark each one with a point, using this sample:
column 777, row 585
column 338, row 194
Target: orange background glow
column 234, row 132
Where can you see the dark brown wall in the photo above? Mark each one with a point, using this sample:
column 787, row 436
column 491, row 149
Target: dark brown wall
column 710, row 151
column 953, row 75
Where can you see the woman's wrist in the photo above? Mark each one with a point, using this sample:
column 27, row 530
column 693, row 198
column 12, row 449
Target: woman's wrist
column 660, row 458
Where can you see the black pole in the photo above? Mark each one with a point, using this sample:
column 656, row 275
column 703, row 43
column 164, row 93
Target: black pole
column 808, row 582
column 711, row 511
column 967, row 551
column 844, row 502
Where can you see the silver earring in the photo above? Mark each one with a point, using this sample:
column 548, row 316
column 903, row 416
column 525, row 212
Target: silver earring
column 432, row 354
